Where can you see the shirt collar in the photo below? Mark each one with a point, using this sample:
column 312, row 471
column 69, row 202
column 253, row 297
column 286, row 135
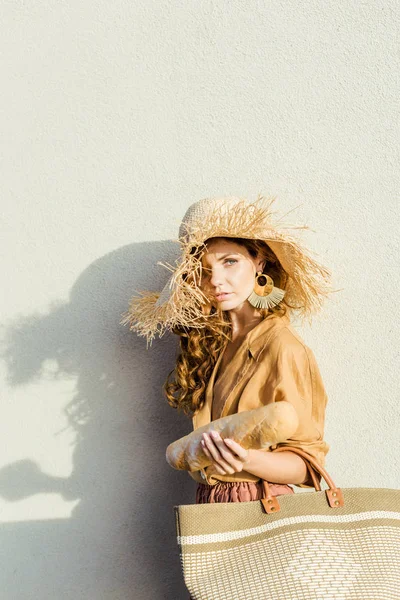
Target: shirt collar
column 259, row 336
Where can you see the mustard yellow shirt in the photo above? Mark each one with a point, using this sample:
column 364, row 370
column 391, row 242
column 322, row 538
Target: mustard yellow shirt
column 271, row 364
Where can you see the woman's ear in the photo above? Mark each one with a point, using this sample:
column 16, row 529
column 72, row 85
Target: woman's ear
column 260, row 265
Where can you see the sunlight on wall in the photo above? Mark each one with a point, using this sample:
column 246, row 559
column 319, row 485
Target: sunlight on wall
column 42, row 507
column 37, row 479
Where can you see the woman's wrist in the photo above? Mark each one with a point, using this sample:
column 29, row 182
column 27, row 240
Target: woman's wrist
column 247, row 460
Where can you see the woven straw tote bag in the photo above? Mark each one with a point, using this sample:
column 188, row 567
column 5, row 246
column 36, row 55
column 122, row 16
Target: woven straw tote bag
column 320, row 545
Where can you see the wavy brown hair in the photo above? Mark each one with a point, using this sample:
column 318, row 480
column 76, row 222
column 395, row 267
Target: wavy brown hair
column 199, row 348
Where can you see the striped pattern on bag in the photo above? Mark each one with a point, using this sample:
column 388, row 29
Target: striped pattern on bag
column 306, row 551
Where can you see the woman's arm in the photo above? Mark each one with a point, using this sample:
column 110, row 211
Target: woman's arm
column 279, row 467
column 230, row 457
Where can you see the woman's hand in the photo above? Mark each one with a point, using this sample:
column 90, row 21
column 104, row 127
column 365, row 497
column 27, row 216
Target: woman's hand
column 227, row 455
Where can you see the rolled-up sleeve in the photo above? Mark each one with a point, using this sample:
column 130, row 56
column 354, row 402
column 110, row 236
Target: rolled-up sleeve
column 293, row 375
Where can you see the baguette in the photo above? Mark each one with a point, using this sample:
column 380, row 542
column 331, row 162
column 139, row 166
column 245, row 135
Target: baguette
column 258, row 428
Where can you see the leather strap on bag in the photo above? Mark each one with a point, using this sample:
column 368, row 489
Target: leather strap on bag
column 334, row 494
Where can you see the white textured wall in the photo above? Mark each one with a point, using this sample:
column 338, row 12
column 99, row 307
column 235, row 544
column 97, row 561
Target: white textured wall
column 114, row 118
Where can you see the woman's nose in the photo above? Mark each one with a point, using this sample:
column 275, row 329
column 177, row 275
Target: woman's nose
column 216, row 279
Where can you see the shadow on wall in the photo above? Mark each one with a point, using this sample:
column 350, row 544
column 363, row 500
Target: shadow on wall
column 119, row 543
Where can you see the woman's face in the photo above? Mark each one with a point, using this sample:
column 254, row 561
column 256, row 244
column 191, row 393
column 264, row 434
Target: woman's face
column 228, row 273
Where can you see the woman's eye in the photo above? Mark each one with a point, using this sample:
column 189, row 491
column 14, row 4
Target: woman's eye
column 207, row 272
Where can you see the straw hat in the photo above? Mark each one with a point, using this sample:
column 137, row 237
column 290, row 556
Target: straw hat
column 181, row 300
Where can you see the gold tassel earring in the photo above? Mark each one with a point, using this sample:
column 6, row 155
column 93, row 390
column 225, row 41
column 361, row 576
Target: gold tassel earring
column 265, row 294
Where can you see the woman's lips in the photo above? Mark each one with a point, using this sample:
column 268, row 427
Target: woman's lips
column 222, row 296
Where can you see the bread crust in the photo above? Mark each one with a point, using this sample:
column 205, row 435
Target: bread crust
column 259, row 428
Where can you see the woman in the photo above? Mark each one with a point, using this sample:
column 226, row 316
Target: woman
column 229, row 299
column 229, row 270
column 230, row 266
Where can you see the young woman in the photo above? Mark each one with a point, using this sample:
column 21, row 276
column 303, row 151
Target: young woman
column 229, row 300
column 261, row 360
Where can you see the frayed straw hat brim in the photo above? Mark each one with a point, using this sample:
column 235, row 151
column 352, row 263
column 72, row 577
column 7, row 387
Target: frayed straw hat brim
column 180, row 303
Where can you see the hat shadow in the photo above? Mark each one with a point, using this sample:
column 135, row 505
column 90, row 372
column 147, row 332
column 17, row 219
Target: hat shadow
column 119, row 541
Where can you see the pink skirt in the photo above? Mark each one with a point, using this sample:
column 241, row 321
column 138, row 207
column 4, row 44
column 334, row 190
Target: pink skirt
column 237, row 491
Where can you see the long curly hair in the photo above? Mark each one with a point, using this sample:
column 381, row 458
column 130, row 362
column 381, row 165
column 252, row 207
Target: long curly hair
column 199, row 348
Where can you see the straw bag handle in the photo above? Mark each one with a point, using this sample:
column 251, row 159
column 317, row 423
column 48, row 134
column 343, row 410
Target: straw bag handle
column 334, row 494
